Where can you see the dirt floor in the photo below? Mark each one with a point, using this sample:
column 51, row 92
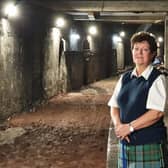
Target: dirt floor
column 70, row 131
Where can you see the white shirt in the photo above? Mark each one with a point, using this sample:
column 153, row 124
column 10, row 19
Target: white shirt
column 157, row 93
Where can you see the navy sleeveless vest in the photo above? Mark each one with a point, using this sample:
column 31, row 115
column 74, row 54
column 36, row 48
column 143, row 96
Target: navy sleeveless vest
column 132, row 100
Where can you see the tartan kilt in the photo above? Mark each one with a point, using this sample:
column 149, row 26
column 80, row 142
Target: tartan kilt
column 141, row 156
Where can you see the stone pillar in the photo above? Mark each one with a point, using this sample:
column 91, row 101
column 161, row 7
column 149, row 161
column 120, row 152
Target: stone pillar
column 166, row 43
column 112, row 148
column 166, row 53
column 120, row 55
column 51, row 63
column 119, row 46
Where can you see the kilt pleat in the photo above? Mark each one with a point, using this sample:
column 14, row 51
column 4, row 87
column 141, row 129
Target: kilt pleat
column 140, row 156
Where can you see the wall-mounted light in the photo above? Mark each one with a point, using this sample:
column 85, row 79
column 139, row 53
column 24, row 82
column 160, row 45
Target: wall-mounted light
column 60, row 22
column 92, row 30
column 11, row 10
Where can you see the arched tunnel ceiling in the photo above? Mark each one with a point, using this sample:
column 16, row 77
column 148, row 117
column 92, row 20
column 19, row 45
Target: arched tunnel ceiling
column 141, row 11
column 152, row 11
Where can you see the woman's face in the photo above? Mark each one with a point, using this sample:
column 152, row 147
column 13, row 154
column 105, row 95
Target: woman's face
column 141, row 53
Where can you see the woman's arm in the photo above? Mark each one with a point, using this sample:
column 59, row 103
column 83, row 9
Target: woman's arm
column 147, row 119
column 115, row 116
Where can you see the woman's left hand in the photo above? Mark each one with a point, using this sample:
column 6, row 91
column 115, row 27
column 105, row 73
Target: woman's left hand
column 122, row 131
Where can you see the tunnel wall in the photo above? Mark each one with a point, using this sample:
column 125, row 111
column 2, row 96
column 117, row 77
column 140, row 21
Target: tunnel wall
column 22, row 61
column 13, row 82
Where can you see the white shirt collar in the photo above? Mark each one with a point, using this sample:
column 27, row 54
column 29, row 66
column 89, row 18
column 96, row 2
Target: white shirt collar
column 145, row 73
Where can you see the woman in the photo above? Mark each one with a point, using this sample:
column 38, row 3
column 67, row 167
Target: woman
column 137, row 109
